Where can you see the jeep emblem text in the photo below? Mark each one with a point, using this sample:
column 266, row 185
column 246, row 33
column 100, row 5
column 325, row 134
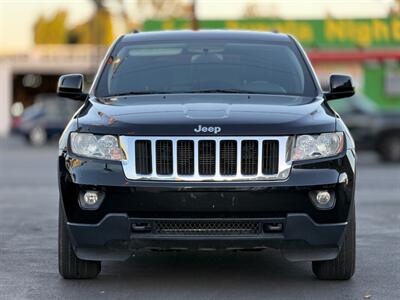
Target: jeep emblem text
column 210, row 129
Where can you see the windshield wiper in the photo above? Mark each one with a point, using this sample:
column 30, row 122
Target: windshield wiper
column 139, row 93
column 227, row 91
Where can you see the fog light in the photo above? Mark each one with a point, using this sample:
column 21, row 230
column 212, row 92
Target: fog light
column 323, row 199
column 90, row 200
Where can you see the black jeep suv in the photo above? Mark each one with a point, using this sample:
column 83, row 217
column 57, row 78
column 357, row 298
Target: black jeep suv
column 206, row 140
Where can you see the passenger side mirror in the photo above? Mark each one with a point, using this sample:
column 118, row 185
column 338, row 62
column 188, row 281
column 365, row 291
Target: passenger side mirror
column 71, row 86
column 341, row 86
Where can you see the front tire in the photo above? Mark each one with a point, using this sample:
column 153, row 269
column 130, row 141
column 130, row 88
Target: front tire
column 69, row 265
column 343, row 267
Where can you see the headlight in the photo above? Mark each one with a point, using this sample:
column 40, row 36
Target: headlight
column 96, row 146
column 317, row 146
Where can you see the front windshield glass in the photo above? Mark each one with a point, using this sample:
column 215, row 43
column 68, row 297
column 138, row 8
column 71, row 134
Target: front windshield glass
column 206, row 66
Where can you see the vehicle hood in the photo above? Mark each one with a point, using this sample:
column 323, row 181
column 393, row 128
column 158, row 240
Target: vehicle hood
column 235, row 114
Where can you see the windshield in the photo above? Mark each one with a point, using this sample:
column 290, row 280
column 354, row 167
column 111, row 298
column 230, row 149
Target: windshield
column 206, row 66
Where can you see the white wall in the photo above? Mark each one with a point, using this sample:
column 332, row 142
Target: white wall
column 45, row 59
column 5, row 98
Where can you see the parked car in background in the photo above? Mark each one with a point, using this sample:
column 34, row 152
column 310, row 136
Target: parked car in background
column 371, row 128
column 46, row 118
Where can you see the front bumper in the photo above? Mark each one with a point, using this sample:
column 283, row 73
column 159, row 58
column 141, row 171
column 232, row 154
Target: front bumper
column 301, row 239
column 106, row 234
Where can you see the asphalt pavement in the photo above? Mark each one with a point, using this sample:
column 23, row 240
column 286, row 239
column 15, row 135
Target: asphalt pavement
column 28, row 247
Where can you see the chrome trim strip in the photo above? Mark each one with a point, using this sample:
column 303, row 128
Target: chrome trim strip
column 239, row 158
column 259, row 158
column 196, row 158
column 153, row 159
column 128, row 144
column 175, row 158
column 217, row 159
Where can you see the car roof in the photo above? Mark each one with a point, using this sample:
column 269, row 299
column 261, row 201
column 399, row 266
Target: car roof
column 205, row 34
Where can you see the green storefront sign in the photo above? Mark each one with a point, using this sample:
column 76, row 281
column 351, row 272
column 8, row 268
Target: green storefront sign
column 327, row 33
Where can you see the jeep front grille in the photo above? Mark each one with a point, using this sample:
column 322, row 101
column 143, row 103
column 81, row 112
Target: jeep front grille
column 227, row 159
column 204, row 158
column 163, row 157
column 143, row 157
column 249, row 157
column 185, row 157
column 270, row 159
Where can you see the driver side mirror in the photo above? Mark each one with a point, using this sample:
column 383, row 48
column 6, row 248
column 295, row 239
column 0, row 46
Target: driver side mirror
column 71, row 86
column 341, row 86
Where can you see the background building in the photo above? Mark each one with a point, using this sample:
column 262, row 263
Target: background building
column 367, row 49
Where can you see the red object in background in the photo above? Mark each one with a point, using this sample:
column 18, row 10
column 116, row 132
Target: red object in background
column 318, row 55
column 16, row 122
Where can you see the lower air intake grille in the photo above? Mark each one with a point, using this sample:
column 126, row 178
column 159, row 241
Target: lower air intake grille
column 207, row 228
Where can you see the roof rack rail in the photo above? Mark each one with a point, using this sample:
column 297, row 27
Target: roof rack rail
column 135, row 31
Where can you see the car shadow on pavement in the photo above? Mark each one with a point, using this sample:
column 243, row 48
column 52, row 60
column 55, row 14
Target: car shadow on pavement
column 216, row 264
column 211, row 275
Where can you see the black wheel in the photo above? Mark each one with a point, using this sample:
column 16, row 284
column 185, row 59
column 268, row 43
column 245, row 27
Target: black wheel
column 390, row 148
column 343, row 267
column 69, row 265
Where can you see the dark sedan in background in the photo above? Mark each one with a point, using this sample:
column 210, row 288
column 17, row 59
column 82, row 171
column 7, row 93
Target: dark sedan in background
column 372, row 129
column 45, row 119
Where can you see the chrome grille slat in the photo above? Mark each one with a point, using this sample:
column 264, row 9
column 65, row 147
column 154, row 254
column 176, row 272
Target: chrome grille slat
column 217, row 157
column 196, row 158
column 153, row 156
column 205, row 158
column 239, row 159
column 260, row 154
column 174, row 154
